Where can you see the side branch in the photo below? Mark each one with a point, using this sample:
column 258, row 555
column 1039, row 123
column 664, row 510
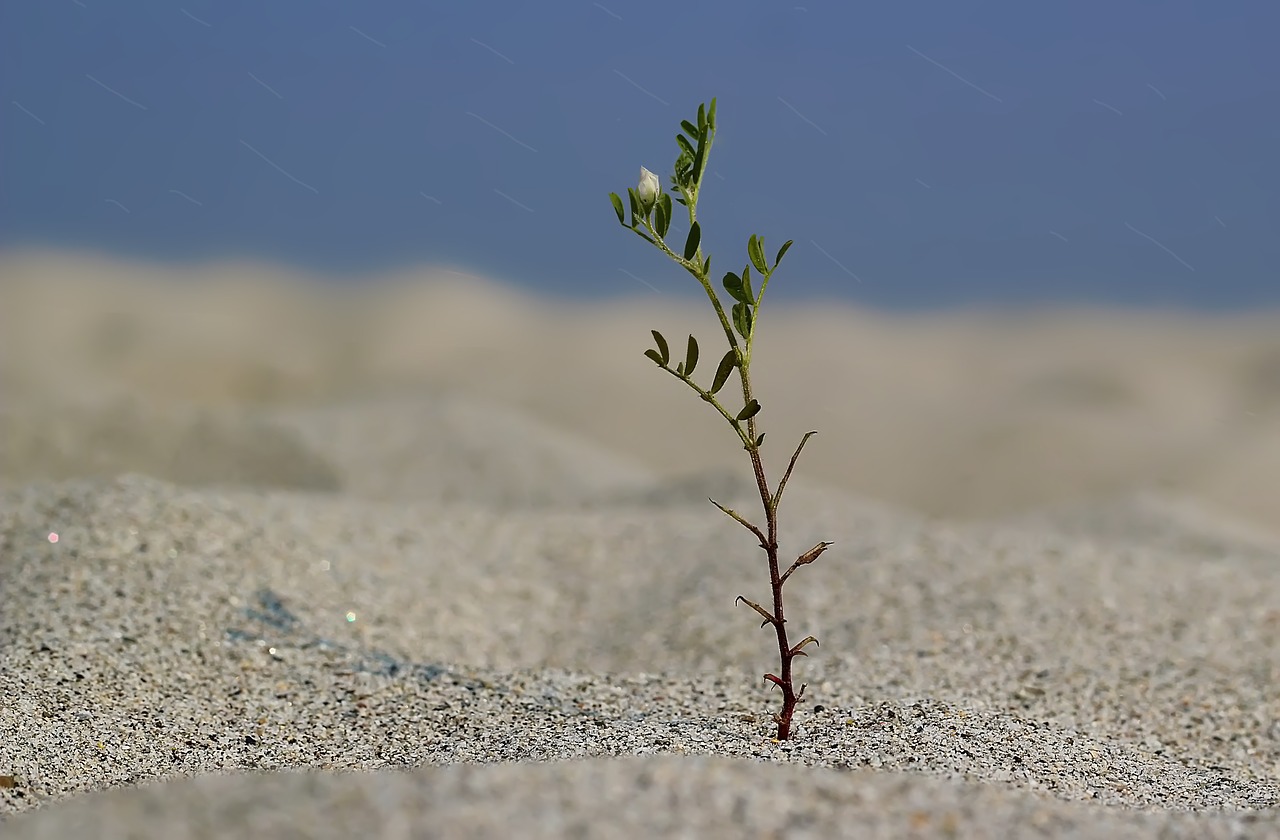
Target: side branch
column 744, row 523
column 707, row 396
column 777, row 497
column 768, row 617
column 798, row 650
column 805, row 559
column 693, row 266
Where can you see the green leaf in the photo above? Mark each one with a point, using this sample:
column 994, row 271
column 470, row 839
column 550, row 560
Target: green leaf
column 661, row 216
column 691, row 244
column 617, row 207
column 664, row 201
column 683, row 177
column 686, row 148
column 759, row 440
column 663, row 351
column 733, row 285
column 706, row 266
column 691, row 356
column 690, row 128
column 750, row 410
column 653, row 354
column 727, row 364
column 702, row 118
column 746, row 285
column 711, row 114
column 755, row 250
column 781, row 251
column 635, row 205
column 742, row 319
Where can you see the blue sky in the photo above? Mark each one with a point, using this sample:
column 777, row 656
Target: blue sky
column 922, row 154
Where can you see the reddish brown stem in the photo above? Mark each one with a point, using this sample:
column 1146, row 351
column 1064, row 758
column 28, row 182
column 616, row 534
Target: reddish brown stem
column 786, row 653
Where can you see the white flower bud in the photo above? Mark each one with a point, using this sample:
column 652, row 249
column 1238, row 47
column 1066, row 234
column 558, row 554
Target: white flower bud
column 649, row 187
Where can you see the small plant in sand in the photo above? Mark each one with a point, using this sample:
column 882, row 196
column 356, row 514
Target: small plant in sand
column 650, row 219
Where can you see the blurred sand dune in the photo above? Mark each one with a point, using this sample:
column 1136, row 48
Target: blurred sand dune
column 249, row 522
column 243, row 374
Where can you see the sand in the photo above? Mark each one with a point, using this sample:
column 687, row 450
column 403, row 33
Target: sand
column 434, row 558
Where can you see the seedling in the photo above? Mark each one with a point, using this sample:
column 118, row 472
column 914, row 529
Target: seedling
column 650, row 219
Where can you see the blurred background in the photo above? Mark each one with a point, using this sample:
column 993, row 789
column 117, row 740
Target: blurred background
column 921, row 153
column 1035, row 261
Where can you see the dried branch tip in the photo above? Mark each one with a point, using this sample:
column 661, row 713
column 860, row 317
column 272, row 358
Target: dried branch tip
column 768, row 617
column 737, row 517
column 807, row 558
column 798, row 650
column 777, row 497
column 812, row 554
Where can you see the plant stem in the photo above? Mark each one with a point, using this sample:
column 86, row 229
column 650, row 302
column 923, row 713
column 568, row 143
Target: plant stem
column 751, row 441
column 785, row 654
column 783, row 680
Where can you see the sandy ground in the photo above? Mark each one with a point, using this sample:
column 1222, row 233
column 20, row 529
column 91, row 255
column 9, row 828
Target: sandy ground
column 256, row 535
